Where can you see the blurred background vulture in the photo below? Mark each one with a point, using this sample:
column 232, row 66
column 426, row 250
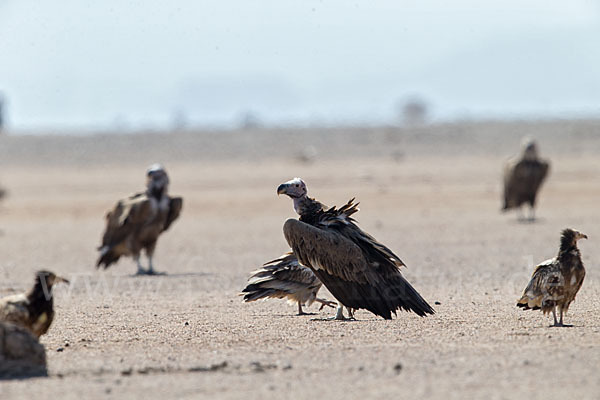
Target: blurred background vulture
column 282, row 278
column 555, row 282
column 33, row 310
column 523, row 177
column 359, row 271
column 135, row 223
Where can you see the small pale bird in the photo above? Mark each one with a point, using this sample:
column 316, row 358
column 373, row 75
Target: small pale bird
column 555, row 282
column 135, row 223
column 33, row 310
column 283, row 278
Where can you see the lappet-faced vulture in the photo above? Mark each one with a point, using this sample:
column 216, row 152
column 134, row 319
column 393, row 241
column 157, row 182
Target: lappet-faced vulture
column 359, row 271
column 33, row 310
column 555, row 282
column 135, row 223
column 283, row 278
column 523, row 177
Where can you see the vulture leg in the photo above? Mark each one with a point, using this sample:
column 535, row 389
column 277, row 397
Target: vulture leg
column 555, row 320
column 520, row 216
column 327, row 303
column 300, row 311
column 531, row 214
column 350, row 314
column 150, row 253
column 140, row 270
column 560, row 321
column 339, row 315
column 150, row 266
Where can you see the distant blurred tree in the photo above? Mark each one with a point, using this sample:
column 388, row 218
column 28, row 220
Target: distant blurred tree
column 2, row 110
column 249, row 120
column 179, row 120
column 414, row 111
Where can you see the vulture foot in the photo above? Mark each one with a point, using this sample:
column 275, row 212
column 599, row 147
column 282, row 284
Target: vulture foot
column 149, row 272
column 339, row 316
column 560, row 325
column 153, row 272
column 334, row 318
column 327, row 303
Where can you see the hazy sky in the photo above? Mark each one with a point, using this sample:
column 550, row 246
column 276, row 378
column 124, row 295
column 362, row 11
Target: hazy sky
column 99, row 64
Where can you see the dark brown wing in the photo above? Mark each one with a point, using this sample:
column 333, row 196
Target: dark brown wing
column 522, row 181
column 175, row 205
column 123, row 220
column 355, row 268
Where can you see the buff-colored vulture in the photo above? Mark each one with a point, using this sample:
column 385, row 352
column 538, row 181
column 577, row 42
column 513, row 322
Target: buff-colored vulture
column 33, row 310
column 555, row 282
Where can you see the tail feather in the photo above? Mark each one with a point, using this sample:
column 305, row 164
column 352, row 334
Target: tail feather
column 255, row 292
column 107, row 257
column 407, row 298
column 527, row 303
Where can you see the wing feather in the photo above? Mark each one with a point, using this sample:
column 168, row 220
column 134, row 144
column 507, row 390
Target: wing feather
column 175, row 205
column 124, row 219
column 355, row 268
column 545, row 284
column 282, row 277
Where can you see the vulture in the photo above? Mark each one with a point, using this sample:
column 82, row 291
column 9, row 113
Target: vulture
column 523, row 177
column 282, row 278
column 33, row 310
column 359, row 271
column 555, row 282
column 135, row 223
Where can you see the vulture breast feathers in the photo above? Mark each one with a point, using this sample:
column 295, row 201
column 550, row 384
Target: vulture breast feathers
column 134, row 223
column 523, row 177
column 359, row 271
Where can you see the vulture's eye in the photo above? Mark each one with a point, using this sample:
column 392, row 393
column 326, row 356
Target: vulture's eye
column 297, row 185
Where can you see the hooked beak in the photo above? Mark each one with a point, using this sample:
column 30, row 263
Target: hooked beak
column 582, row 236
column 282, row 189
column 59, row 279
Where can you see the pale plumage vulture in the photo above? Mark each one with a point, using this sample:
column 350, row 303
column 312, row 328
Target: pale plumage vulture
column 282, row 278
column 359, row 271
column 33, row 310
column 555, row 282
column 135, row 223
column 523, row 177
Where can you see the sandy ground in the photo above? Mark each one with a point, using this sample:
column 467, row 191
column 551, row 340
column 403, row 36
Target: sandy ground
column 431, row 195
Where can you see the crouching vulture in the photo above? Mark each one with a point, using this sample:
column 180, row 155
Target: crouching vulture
column 555, row 282
column 33, row 310
column 359, row 271
column 282, row 278
column 135, row 223
column 523, row 177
